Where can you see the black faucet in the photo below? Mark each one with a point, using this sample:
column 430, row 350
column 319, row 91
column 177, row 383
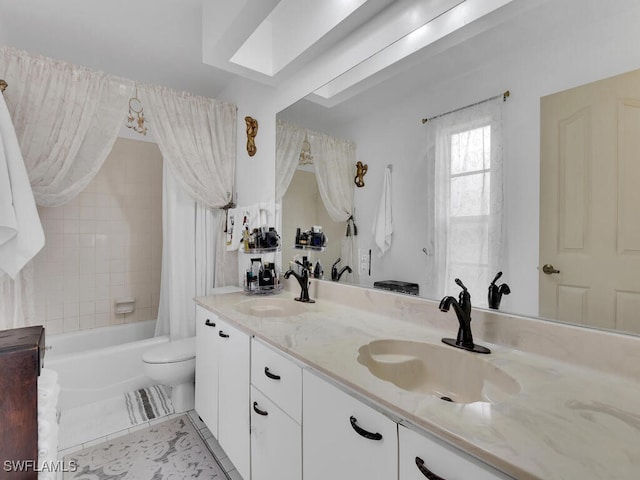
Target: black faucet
column 462, row 307
column 335, row 274
column 496, row 292
column 303, row 280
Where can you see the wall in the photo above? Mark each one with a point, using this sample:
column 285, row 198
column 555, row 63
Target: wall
column 103, row 245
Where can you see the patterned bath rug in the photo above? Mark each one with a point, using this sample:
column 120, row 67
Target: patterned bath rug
column 169, row 450
column 85, row 423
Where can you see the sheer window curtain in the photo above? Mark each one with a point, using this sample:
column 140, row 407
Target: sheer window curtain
column 466, row 221
column 66, row 120
column 197, row 138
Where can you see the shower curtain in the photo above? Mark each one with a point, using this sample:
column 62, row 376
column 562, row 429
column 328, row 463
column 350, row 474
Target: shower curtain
column 197, row 138
column 334, row 162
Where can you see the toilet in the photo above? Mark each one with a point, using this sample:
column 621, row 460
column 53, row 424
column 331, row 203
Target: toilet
column 174, row 364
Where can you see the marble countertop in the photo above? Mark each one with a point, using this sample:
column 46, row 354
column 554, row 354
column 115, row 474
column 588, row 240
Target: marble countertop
column 566, row 422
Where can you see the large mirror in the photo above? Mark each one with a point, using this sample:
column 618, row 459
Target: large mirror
column 553, row 47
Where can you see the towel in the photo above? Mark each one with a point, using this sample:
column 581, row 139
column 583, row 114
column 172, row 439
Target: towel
column 21, row 234
column 383, row 221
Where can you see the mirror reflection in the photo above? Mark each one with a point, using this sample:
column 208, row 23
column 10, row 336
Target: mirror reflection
column 383, row 121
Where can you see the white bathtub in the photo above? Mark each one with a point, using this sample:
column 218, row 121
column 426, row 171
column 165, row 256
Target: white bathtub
column 100, row 363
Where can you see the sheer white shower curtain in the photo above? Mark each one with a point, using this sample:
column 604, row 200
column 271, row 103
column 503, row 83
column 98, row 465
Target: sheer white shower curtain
column 334, row 162
column 197, row 138
column 66, row 120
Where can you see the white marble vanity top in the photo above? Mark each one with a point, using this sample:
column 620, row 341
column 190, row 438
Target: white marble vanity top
column 567, row 422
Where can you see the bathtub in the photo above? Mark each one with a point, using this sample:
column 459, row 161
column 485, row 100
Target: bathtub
column 100, row 363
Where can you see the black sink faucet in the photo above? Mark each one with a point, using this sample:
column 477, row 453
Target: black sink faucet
column 303, row 280
column 335, row 274
column 462, row 307
column 496, row 292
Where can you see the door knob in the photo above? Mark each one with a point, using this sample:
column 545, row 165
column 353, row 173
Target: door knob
column 549, row 269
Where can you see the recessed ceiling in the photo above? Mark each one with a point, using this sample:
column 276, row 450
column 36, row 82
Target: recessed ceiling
column 329, row 47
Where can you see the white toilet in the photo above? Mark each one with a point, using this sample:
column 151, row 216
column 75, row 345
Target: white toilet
column 174, row 364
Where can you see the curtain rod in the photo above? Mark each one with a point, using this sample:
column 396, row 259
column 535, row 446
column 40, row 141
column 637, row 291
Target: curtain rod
column 3, row 85
column 504, row 96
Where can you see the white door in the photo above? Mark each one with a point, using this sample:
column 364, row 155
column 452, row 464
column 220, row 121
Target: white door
column 276, row 441
column 589, row 201
column 233, row 398
column 342, row 438
column 207, row 346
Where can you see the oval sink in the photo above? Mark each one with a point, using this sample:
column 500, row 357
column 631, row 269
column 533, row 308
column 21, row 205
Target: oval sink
column 270, row 307
column 446, row 372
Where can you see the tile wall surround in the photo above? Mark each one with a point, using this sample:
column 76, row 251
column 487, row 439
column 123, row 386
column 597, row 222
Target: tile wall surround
column 601, row 350
column 103, row 245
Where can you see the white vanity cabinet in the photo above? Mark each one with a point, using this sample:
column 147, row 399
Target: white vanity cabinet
column 222, row 386
column 422, row 457
column 207, row 347
column 343, row 438
column 276, row 413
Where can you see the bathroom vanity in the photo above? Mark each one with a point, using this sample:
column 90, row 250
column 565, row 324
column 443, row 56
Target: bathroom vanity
column 327, row 390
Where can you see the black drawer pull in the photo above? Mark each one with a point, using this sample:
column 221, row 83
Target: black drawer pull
column 209, row 323
column 264, row 413
column 272, row 376
column 223, row 335
column 362, row 432
column 425, row 471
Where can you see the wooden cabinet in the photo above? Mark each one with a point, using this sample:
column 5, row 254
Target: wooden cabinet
column 343, row 438
column 222, row 385
column 207, row 347
column 422, row 456
column 21, row 354
column 276, row 413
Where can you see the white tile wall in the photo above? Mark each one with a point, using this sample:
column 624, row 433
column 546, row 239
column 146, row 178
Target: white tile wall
column 104, row 244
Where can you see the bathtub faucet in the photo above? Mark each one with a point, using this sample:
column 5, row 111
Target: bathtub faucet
column 303, row 280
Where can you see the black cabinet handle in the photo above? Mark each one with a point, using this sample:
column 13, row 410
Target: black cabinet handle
column 223, row 335
column 264, row 413
column 272, row 376
column 425, row 471
column 209, row 323
column 362, row 432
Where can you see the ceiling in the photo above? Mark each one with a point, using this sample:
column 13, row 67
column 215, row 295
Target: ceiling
column 336, row 47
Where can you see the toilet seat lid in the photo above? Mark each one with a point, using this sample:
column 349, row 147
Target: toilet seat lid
column 171, row 352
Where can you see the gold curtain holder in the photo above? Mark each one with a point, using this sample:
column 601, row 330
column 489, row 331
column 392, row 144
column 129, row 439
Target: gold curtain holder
column 3, row 85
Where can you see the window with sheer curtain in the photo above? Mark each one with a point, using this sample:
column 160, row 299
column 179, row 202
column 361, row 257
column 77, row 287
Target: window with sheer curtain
column 468, row 186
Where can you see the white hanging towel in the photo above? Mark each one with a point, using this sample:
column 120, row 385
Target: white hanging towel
column 21, row 234
column 383, row 221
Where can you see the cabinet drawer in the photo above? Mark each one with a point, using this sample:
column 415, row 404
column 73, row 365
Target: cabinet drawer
column 438, row 458
column 278, row 377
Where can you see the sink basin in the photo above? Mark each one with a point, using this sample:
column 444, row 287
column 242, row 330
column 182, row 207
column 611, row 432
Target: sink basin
column 270, row 307
column 449, row 373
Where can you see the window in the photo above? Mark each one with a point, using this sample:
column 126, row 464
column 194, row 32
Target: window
column 468, row 208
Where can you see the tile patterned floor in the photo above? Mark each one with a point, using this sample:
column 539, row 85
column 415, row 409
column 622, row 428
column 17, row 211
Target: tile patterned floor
column 207, row 436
